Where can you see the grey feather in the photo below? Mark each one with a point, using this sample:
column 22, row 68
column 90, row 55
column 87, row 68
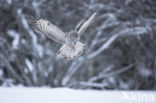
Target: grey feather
column 50, row 30
column 71, row 47
column 86, row 24
column 77, row 28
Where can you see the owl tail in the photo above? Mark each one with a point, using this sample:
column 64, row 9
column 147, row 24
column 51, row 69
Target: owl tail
column 71, row 52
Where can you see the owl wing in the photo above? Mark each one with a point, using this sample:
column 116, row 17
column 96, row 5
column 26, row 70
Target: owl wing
column 86, row 24
column 50, row 30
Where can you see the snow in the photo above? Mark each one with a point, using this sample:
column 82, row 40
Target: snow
column 29, row 64
column 103, row 47
column 15, row 37
column 9, row 2
column 38, row 48
column 66, row 95
column 1, row 72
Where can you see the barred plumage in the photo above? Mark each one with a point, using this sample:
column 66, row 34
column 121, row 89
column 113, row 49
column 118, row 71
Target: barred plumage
column 50, row 30
column 71, row 48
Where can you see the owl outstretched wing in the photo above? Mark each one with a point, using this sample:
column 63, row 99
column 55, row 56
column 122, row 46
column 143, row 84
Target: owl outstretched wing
column 86, row 24
column 50, row 30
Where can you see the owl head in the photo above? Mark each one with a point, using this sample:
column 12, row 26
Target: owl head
column 73, row 37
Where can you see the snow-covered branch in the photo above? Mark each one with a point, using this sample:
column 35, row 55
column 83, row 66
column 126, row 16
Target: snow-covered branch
column 25, row 24
column 106, row 74
column 132, row 31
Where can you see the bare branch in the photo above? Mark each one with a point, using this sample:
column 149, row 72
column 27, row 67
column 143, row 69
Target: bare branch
column 11, row 69
column 105, row 75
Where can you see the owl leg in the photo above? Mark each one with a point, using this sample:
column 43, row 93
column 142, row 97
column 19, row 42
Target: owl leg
column 71, row 51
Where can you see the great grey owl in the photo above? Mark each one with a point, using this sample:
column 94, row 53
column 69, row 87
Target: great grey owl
column 71, row 47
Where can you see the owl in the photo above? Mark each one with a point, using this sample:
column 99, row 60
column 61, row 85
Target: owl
column 71, row 46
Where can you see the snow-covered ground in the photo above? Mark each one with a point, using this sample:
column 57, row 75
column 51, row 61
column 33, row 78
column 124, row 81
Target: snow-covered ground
column 66, row 95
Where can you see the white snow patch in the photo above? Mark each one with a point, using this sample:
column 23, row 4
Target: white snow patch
column 29, row 64
column 1, row 73
column 15, row 37
column 36, row 5
column 65, row 95
column 145, row 72
column 25, row 70
column 9, row 2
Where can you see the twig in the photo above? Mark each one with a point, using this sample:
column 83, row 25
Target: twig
column 11, row 69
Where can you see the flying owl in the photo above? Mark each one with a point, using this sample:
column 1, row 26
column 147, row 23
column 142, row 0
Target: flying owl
column 71, row 46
